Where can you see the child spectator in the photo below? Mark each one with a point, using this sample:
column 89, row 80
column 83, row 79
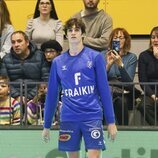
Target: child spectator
column 9, row 107
column 51, row 49
column 35, row 107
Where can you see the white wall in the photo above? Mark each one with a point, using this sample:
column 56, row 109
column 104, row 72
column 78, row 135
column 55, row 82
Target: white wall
column 139, row 45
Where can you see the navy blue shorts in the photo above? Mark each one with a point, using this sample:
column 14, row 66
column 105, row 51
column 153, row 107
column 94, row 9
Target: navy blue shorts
column 71, row 133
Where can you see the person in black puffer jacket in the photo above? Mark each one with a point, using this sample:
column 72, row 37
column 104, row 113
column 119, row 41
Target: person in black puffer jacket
column 24, row 63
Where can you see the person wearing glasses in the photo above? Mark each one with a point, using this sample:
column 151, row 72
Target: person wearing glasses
column 147, row 72
column 121, row 67
column 51, row 49
column 45, row 24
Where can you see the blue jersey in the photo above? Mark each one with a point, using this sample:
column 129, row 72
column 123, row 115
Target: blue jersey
column 86, row 93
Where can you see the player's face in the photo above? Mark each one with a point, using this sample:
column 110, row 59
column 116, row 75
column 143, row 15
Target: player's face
column 74, row 34
column 90, row 4
column 4, row 89
column 19, row 44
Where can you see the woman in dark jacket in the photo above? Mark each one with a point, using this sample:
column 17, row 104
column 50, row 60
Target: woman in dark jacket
column 148, row 72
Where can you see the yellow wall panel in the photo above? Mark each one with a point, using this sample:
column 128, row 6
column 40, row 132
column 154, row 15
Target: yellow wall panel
column 21, row 10
column 137, row 16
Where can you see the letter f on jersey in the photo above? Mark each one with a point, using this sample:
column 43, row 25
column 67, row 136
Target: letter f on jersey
column 77, row 77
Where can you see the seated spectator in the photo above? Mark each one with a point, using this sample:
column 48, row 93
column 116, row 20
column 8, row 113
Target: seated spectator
column 6, row 29
column 9, row 107
column 23, row 64
column 35, row 107
column 51, row 50
column 121, row 67
column 45, row 24
column 147, row 72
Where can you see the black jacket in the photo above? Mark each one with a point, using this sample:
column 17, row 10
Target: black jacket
column 30, row 69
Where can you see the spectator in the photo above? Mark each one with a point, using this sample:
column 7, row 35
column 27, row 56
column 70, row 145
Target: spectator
column 9, row 107
column 98, row 25
column 6, row 29
column 23, row 64
column 121, row 67
column 45, row 24
column 51, row 50
column 35, row 107
column 147, row 72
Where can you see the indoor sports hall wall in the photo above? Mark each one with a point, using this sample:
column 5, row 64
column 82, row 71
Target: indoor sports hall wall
column 137, row 16
column 29, row 144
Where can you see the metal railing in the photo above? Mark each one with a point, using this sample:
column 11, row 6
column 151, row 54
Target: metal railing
column 136, row 119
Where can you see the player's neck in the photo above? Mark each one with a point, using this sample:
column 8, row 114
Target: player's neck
column 75, row 49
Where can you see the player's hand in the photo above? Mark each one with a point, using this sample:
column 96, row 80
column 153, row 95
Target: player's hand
column 112, row 131
column 46, row 135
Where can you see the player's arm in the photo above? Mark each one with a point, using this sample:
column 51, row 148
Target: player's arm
column 51, row 100
column 52, row 96
column 104, row 91
column 105, row 96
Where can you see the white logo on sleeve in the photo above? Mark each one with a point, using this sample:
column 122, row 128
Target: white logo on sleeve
column 89, row 64
column 77, row 77
column 64, row 67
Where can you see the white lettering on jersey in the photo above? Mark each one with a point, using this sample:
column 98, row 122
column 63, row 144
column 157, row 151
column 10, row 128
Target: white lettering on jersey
column 84, row 90
column 77, row 77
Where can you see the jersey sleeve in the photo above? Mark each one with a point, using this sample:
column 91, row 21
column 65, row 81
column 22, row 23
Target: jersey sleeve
column 52, row 96
column 103, row 89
